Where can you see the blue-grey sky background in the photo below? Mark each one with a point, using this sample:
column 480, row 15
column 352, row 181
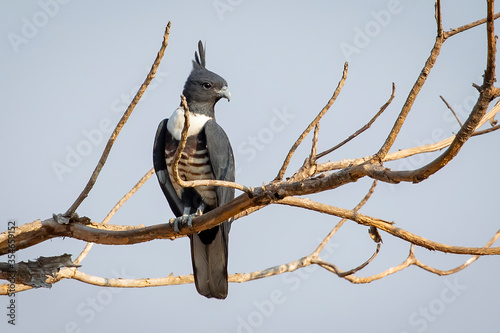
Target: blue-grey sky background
column 68, row 70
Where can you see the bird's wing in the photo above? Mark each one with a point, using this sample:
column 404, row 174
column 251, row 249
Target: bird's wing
column 160, row 165
column 221, row 158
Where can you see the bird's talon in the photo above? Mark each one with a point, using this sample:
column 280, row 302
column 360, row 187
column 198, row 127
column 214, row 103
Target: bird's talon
column 183, row 220
column 175, row 223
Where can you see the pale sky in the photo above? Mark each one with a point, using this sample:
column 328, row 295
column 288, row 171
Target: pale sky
column 69, row 70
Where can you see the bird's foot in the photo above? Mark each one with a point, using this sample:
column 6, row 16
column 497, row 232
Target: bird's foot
column 199, row 211
column 186, row 219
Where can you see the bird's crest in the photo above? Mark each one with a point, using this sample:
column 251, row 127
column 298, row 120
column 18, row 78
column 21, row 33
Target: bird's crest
column 201, row 59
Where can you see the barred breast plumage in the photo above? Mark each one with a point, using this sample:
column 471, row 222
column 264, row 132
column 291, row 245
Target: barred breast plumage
column 193, row 165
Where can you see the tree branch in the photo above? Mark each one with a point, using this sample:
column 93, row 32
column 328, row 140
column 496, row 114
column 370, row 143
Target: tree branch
column 451, row 109
column 112, row 212
column 316, row 120
column 403, row 153
column 429, row 64
column 93, row 178
column 364, row 128
column 387, row 227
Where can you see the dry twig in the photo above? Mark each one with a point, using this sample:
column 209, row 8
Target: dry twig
column 93, row 178
column 316, row 120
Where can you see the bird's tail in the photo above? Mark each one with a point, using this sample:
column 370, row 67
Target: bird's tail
column 209, row 257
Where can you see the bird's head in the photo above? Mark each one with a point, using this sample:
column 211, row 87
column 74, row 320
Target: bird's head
column 204, row 87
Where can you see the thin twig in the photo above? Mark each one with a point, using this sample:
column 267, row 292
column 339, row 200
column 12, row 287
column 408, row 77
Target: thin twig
column 488, row 130
column 439, row 21
column 429, row 64
column 364, row 128
column 316, row 120
column 314, row 146
column 386, row 226
column 489, row 75
column 403, row 153
column 460, row 267
column 411, row 260
column 407, row 263
column 119, row 126
column 452, row 111
column 342, row 221
column 465, row 27
column 112, row 212
column 182, row 143
column 487, row 93
column 331, row 267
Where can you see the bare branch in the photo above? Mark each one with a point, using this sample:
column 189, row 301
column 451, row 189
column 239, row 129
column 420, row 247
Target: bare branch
column 451, row 109
column 463, row 28
column 460, row 267
column 407, row 263
column 342, row 221
column 364, row 128
column 72, row 273
column 487, row 94
column 488, row 130
column 34, row 273
column 403, row 153
column 429, row 64
column 387, row 227
column 489, row 75
column 282, row 171
column 441, row 37
column 275, row 270
column 314, row 147
column 182, row 143
column 439, row 21
column 93, row 178
column 118, row 205
column 332, row 268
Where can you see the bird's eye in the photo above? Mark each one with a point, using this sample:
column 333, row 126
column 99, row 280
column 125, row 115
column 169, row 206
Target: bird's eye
column 207, row 85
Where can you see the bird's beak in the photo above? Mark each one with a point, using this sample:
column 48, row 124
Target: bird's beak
column 224, row 92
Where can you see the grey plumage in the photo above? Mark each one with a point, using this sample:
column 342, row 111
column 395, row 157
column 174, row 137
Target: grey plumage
column 209, row 248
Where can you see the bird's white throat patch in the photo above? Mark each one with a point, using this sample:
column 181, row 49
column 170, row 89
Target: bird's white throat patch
column 175, row 123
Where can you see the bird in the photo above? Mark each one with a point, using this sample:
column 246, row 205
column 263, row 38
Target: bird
column 207, row 155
